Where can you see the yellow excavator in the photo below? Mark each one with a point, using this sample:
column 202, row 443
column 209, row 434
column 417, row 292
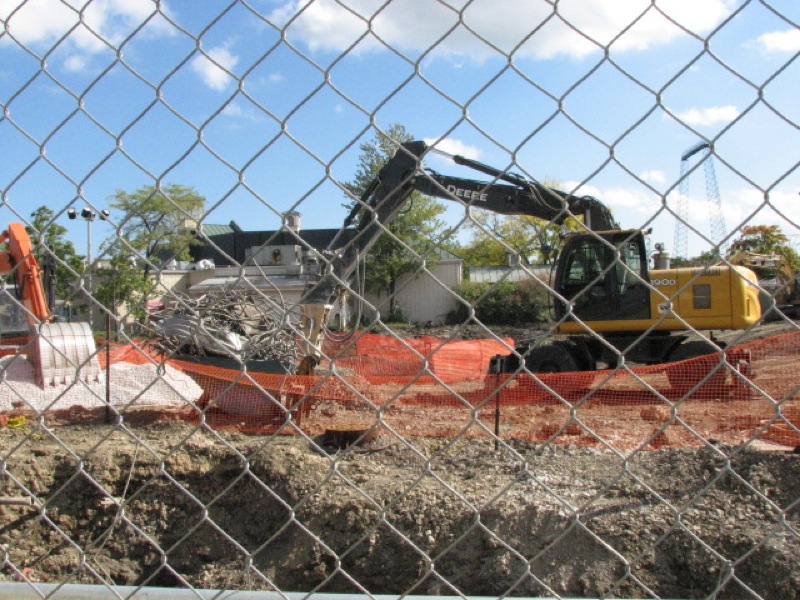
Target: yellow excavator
column 606, row 301
column 60, row 353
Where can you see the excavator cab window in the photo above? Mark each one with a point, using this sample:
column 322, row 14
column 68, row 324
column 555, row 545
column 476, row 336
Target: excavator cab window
column 630, row 274
column 629, row 257
column 584, row 280
column 601, row 283
column 581, row 277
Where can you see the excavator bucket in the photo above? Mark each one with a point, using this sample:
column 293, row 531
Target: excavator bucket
column 62, row 353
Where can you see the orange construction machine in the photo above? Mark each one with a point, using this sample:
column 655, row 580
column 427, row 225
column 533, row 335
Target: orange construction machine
column 60, row 353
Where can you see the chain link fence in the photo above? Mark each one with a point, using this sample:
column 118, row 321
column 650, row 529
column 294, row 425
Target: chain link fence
column 215, row 398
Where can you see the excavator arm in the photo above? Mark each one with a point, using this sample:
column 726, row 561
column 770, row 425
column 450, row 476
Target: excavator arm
column 403, row 174
column 506, row 193
column 20, row 260
column 518, row 196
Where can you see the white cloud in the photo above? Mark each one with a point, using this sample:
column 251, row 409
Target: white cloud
column 712, row 115
column 452, row 146
column 741, row 207
column 37, row 20
column 786, row 202
column 526, row 28
column 91, row 26
column 633, row 206
column 214, row 66
column 780, row 203
column 241, row 112
column 75, row 63
column 655, row 176
column 638, row 201
column 232, row 110
column 787, row 41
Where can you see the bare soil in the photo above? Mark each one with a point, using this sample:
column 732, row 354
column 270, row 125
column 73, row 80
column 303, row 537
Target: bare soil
column 169, row 503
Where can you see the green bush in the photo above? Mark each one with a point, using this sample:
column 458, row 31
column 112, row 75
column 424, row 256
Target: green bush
column 503, row 303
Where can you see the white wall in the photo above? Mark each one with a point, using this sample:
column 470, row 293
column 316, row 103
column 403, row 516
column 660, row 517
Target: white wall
column 426, row 297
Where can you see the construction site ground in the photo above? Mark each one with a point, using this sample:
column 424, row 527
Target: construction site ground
column 402, row 513
column 580, row 515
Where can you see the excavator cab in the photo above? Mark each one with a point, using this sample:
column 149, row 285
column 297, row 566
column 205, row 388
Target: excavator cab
column 603, row 275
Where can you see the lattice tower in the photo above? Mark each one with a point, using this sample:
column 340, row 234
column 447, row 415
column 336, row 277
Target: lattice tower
column 718, row 229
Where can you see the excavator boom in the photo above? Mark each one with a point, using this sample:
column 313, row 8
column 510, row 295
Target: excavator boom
column 403, row 174
column 19, row 256
column 389, row 191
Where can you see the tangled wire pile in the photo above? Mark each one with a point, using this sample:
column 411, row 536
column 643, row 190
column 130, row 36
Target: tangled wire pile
column 241, row 324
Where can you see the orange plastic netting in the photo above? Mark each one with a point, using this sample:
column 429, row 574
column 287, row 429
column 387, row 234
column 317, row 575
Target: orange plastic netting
column 429, row 386
column 437, row 387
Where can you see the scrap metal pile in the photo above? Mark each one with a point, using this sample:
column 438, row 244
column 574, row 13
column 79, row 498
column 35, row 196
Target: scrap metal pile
column 244, row 325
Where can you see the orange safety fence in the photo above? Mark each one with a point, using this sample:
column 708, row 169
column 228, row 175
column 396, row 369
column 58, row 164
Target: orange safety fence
column 434, row 387
column 374, row 356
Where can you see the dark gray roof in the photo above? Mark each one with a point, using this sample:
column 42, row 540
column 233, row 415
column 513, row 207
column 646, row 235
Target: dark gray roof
column 226, row 244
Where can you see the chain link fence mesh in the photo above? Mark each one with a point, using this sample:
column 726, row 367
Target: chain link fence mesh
column 398, row 463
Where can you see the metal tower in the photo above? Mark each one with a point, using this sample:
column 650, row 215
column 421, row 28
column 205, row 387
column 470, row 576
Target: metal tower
column 717, row 220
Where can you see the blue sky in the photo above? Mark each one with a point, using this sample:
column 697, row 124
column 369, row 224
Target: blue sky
column 261, row 106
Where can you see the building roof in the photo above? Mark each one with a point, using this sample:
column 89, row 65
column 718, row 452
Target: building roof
column 228, row 244
column 212, row 230
column 267, row 284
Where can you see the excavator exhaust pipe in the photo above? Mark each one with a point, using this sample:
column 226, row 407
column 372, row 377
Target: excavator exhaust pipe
column 63, row 353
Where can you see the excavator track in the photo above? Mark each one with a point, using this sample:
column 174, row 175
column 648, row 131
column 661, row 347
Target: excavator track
column 63, row 353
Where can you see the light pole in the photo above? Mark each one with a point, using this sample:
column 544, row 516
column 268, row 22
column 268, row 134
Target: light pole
column 88, row 215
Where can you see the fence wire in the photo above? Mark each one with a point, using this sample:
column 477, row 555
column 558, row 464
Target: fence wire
column 189, row 444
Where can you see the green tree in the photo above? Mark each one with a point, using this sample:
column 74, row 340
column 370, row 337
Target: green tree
column 753, row 239
column 501, row 303
column 150, row 232
column 68, row 264
column 417, row 226
column 152, row 222
column 120, row 283
column 704, row 259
